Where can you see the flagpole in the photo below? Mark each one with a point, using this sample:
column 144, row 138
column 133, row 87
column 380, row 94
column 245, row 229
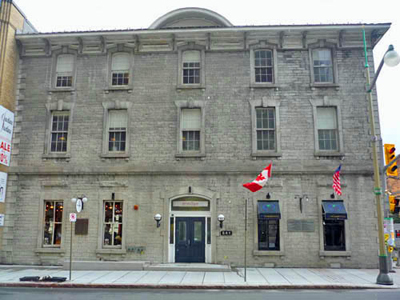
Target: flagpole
column 245, row 239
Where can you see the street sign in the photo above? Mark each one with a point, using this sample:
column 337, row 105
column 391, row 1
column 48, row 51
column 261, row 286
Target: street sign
column 72, row 217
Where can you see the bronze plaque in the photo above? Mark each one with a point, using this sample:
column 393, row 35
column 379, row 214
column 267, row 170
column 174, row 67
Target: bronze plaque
column 82, row 226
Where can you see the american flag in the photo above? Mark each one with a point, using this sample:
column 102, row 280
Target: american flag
column 336, row 181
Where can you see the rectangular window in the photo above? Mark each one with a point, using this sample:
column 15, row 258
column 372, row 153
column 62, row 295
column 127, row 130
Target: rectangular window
column 53, row 214
column 191, row 67
column 265, row 128
column 117, row 123
column 59, row 131
column 191, row 125
column 64, row 70
column 112, row 223
column 327, row 128
column 334, row 237
column 263, row 66
column 322, row 63
column 268, row 234
column 120, row 69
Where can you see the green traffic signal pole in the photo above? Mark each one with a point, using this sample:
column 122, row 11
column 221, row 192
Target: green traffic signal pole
column 384, row 276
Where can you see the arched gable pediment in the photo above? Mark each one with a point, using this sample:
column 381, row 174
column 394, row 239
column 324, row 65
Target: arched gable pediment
column 190, row 17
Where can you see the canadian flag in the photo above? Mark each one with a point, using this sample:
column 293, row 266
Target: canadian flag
column 260, row 181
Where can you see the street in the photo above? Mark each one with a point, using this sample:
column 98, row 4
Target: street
column 122, row 294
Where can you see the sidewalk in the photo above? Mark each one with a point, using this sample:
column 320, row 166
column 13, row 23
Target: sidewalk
column 257, row 278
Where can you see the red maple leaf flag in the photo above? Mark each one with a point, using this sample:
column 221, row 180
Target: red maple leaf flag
column 260, row 181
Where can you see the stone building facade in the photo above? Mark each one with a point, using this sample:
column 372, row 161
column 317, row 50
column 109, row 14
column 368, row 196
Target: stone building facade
column 172, row 120
column 12, row 20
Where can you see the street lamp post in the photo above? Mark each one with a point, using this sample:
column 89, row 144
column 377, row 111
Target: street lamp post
column 391, row 58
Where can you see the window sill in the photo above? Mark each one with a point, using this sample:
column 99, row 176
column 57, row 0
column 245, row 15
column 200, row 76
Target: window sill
column 126, row 88
column 190, row 86
column 111, row 251
column 313, row 86
column 328, row 154
column 196, row 154
column 268, row 253
column 61, row 89
column 335, row 253
column 266, row 154
column 115, row 155
column 264, row 86
column 66, row 156
column 49, row 250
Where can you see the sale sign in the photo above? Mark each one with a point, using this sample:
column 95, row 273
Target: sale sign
column 6, row 131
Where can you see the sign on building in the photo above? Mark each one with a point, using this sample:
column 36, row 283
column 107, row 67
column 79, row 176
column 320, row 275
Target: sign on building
column 3, row 186
column 6, row 131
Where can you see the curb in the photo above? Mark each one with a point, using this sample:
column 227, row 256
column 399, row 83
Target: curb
column 195, row 287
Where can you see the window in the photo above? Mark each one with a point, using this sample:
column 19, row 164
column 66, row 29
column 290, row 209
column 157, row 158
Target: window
column 327, row 129
column 59, row 131
column 265, row 128
column 112, row 224
column 268, row 214
column 263, row 66
column 64, row 70
column 117, row 123
column 268, row 234
column 120, row 66
column 334, row 239
column 53, row 215
column 191, row 127
column 116, row 129
column 322, row 64
column 191, row 67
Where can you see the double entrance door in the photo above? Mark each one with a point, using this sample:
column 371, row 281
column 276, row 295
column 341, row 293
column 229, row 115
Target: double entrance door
column 190, row 239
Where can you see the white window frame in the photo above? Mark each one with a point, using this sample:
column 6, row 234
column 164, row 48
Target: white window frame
column 103, row 224
column 43, row 223
column 57, row 132
column 188, row 105
column 323, row 45
column 56, row 54
column 330, row 130
column 268, row 47
column 122, row 71
column 265, row 103
column 111, row 52
column 181, row 50
column 326, row 102
column 107, row 107
column 51, row 109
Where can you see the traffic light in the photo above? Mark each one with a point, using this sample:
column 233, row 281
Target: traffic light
column 392, row 204
column 390, row 155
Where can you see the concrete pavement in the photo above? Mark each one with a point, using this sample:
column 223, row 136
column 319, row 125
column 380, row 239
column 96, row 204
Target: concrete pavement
column 257, row 278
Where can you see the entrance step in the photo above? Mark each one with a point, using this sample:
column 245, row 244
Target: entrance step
column 106, row 265
column 188, row 267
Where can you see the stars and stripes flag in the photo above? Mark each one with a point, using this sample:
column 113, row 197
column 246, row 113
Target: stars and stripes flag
column 260, row 181
column 336, row 181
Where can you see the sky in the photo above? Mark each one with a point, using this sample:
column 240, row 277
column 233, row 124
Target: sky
column 79, row 15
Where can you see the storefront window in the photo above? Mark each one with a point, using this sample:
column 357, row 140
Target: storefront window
column 334, row 238
column 53, row 212
column 268, row 234
column 112, row 223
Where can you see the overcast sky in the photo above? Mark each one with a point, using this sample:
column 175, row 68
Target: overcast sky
column 71, row 15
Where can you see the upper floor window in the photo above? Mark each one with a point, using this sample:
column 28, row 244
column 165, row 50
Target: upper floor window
column 59, row 131
column 191, row 128
column 53, row 217
column 265, row 128
column 323, row 66
column 263, row 66
column 327, row 128
column 120, row 67
column 64, row 70
column 191, row 67
column 117, row 123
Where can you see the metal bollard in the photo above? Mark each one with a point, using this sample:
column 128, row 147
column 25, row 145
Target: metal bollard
column 398, row 258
